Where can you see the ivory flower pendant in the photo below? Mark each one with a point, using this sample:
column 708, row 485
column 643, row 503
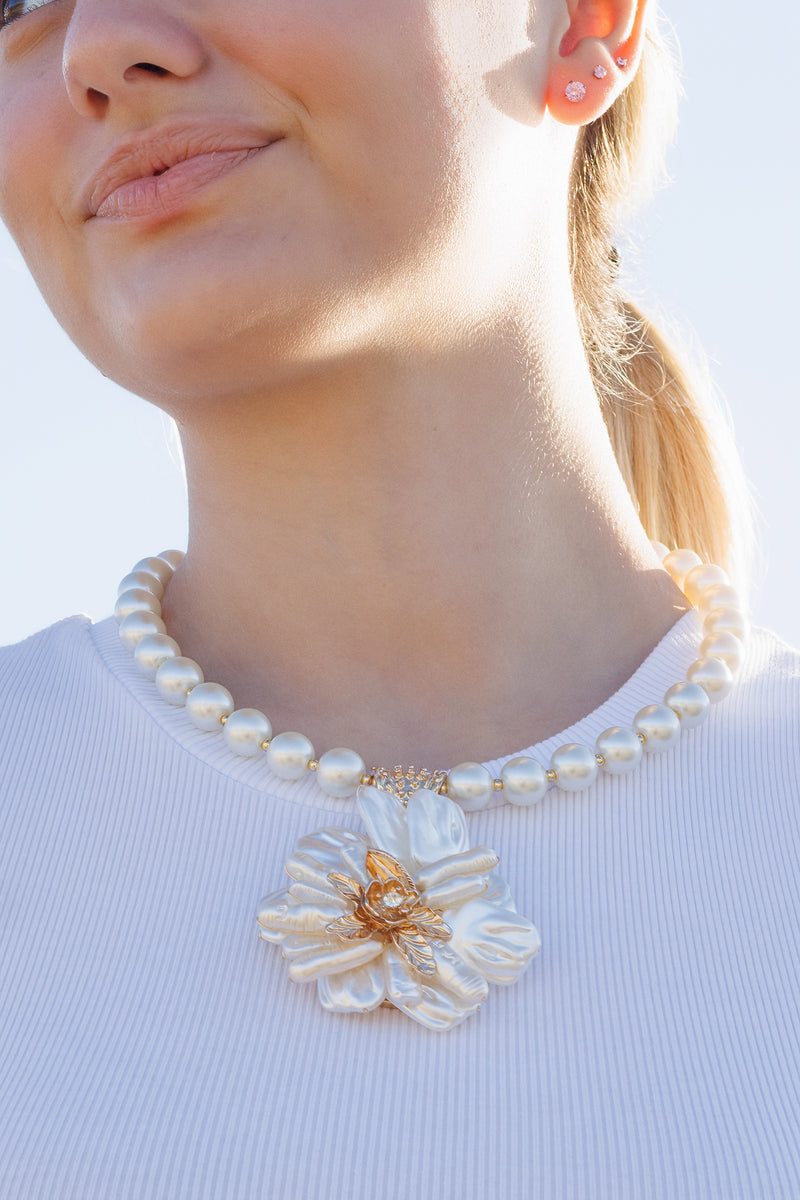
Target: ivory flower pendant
column 408, row 915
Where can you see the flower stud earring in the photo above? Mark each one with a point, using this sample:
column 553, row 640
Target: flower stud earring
column 575, row 92
column 622, row 62
column 599, row 72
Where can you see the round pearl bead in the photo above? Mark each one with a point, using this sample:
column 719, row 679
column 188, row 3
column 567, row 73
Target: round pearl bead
column 152, row 651
column 245, row 730
column 718, row 596
column 142, row 579
column 621, row 748
column 690, row 702
column 713, row 675
column 680, row 562
column 575, row 765
column 731, row 620
column 699, row 579
column 525, row 781
column 173, row 558
column 339, row 772
column 138, row 625
column 156, row 566
column 471, row 785
column 177, row 676
column 207, row 704
column 660, row 725
column 723, row 645
column 136, row 600
column 289, row 755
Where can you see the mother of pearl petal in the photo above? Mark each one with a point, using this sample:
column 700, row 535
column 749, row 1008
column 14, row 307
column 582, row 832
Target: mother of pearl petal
column 359, row 990
column 329, row 960
column 436, row 827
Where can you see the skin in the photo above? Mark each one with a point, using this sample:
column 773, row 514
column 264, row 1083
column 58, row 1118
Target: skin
column 408, row 533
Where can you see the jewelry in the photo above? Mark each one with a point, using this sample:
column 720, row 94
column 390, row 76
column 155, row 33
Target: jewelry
column 599, row 72
column 523, row 781
column 409, row 916
column 575, row 92
column 423, row 925
column 622, row 63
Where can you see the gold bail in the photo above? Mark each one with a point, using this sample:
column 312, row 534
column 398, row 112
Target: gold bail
column 404, row 781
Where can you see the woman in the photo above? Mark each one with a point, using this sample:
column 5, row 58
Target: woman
column 362, row 254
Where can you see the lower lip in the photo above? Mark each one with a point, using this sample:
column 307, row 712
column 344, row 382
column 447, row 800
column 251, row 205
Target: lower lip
column 161, row 197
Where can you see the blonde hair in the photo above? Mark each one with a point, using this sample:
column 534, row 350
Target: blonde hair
column 673, row 448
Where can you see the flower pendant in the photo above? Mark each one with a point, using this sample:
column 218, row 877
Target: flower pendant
column 423, row 923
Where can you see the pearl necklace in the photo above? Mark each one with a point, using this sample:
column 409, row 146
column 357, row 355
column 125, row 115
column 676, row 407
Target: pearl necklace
column 523, row 780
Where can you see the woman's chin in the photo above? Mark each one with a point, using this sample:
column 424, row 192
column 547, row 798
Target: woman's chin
column 179, row 355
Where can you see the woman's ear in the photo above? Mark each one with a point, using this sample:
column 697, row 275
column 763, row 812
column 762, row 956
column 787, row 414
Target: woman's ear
column 596, row 52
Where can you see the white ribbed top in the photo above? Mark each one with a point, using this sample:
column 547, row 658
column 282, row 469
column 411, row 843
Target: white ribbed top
column 152, row 1048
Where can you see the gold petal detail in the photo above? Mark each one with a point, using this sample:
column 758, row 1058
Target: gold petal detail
column 414, row 949
column 345, row 886
column 431, row 924
column 383, row 867
column 349, row 927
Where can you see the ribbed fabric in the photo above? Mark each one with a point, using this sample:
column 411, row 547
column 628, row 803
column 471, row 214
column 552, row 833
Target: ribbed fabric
column 152, row 1048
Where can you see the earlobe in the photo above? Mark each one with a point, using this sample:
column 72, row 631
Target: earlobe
column 595, row 58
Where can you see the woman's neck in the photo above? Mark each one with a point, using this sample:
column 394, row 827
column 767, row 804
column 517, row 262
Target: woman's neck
column 427, row 565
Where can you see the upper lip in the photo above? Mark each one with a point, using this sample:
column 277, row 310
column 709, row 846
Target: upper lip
column 153, row 151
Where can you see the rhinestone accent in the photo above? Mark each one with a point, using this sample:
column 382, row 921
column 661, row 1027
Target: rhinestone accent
column 622, row 62
column 404, row 781
column 575, row 92
column 599, row 72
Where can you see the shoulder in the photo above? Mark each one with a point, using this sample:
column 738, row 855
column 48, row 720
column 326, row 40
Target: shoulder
column 48, row 682
column 50, row 656
column 767, row 691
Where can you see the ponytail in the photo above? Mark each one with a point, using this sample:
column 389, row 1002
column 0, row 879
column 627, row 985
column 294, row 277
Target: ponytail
column 674, row 452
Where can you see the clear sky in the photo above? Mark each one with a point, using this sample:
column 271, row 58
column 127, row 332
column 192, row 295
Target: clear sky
column 89, row 480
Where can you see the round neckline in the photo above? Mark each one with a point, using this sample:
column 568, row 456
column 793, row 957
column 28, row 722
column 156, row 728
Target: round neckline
column 665, row 665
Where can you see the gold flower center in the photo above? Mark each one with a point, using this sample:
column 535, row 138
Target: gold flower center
column 389, row 907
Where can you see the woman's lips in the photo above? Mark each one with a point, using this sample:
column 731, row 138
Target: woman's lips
column 169, row 192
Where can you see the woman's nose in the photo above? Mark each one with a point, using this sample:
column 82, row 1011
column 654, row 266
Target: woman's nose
column 116, row 49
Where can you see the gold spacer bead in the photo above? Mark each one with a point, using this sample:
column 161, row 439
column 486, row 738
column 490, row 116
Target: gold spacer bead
column 600, row 760
column 367, row 780
column 223, row 720
column 642, row 738
column 498, row 785
column 552, row 776
column 313, row 763
column 265, row 744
